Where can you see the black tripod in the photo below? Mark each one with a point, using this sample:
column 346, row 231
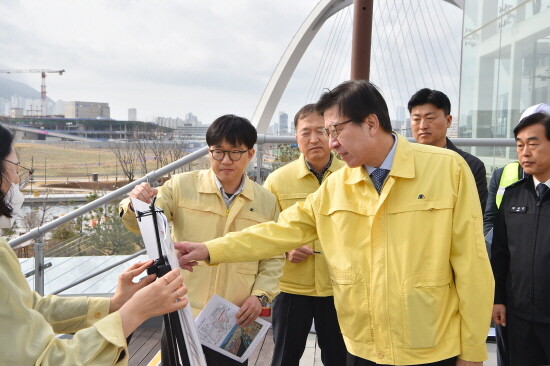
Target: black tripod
column 172, row 325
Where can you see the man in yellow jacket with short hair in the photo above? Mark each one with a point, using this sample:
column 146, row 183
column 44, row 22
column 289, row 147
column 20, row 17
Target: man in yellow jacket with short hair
column 401, row 231
column 207, row 204
column 306, row 290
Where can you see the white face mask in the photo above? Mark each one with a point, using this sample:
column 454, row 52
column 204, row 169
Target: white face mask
column 14, row 198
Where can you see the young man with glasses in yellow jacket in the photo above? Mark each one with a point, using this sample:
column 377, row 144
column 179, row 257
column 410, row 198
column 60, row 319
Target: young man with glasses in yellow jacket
column 208, row 204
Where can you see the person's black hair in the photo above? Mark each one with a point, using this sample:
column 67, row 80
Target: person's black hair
column 533, row 119
column 6, row 146
column 232, row 129
column 303, row 113
column 356, row 99
column 429, row 96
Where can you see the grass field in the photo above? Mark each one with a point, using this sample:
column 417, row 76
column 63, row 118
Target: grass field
column 69, row 162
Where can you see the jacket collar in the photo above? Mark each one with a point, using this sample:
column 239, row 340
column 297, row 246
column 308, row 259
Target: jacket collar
column 450, row 145
column 207, row 184
column 402, row 167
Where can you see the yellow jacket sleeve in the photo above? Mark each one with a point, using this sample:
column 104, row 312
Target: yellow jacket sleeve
column 472, row 271
column 29, row 324
column 269, row 272
column 295, row 226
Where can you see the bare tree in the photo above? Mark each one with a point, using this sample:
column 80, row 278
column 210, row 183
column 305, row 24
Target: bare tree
column 175, row 151
column 37, row 218
column 127, row 157
column 160, row 153
column 141, row 153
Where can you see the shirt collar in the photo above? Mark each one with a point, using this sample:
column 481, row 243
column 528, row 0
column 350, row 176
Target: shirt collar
column 227, row 199
column 536, row 181
column 319, row 175
column 388, row 161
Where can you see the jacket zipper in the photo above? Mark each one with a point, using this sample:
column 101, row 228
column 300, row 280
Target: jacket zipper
column 537, row 214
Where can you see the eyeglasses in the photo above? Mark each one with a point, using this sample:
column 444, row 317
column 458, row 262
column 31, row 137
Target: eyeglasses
column 332, row 131
column 25, row 176
column 234, row 155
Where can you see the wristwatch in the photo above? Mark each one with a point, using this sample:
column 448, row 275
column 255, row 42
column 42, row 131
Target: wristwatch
column 264, row 300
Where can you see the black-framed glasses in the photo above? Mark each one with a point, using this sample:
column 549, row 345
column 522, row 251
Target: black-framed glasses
column 234, row 155
column 332, row 131
column 25, row 176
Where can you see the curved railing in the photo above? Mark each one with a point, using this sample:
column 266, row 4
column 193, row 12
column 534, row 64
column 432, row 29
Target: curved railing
column 38, row 233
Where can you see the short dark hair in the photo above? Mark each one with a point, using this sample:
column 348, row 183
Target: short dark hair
column 233, row 129
column 6, row 146
column 356, row 99
column 429, row 96
column 533, row 119
column 303, row 113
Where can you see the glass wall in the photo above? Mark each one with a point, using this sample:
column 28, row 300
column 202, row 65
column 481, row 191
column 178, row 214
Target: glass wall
column 505, row 69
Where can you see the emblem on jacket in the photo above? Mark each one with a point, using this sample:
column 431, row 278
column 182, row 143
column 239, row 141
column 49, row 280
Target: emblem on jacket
column 518, row 209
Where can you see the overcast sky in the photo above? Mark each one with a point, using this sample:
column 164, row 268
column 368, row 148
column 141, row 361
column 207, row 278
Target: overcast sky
column 168, row 58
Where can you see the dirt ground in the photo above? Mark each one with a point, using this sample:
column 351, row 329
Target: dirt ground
column 99, row 186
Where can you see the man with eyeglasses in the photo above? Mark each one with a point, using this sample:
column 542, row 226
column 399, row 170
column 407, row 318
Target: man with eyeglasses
column 306, row 290
column 207, row 204
column 402, row 233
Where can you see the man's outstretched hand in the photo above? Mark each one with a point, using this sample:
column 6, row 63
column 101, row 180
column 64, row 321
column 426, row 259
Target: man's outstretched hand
column 189, row 253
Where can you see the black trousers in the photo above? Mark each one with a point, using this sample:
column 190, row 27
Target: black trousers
column 292, row 318
column 358, row 361
column 501, row 338
column 213, row 358
column 529, row 342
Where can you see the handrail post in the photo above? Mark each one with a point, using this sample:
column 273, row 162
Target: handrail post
column 259, row 164
column 39, row 265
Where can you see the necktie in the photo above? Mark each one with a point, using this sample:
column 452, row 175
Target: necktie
column 378, row 176
column 541, row 190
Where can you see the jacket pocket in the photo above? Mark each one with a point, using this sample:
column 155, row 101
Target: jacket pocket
column 247, row 218
column 246, row 268
column 288, row 199
column 425, row 310
column 352, row 305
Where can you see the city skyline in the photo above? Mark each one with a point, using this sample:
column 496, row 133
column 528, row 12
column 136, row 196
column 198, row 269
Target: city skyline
column 168, row 59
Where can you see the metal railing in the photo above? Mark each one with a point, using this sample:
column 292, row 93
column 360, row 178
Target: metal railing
column 38, row 233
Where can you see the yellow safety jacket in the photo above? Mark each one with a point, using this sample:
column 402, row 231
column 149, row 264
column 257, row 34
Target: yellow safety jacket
column 194, row 205
column 411, row 277
column 510, row 174
column 291, row 184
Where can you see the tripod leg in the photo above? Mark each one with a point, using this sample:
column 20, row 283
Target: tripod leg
column 168, row 349
column 179, row 338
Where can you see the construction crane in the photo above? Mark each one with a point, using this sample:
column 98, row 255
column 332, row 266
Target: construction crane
column 43, row 86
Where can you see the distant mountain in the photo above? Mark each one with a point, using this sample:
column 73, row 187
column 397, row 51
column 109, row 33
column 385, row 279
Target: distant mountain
column 10, row 87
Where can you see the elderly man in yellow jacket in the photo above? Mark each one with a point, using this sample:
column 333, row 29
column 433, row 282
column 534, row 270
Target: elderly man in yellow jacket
column 306, row 291
column 401, row 231
column 207, row 204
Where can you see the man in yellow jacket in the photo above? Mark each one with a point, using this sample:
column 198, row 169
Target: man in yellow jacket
column 401, row 231
column 207, row 204
column 306, row 291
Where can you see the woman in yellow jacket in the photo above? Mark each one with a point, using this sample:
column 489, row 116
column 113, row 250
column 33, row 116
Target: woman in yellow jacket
column 29, row 322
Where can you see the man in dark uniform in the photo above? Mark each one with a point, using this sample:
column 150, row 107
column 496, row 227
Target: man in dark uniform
column 430, row 118
column 522, row 300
